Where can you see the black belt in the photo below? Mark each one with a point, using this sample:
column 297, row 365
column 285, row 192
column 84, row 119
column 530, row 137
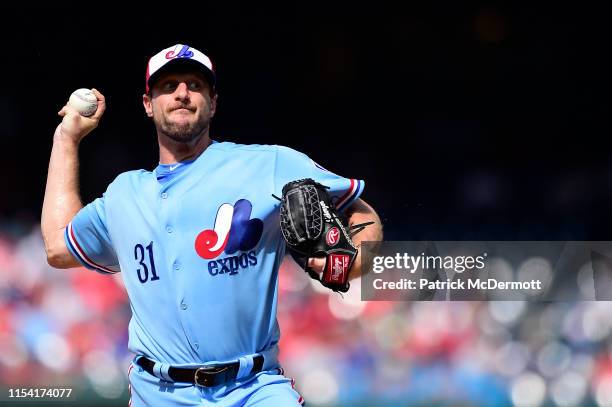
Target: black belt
column 206, row 376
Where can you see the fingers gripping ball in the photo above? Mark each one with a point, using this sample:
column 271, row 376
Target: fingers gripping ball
column 84, row 101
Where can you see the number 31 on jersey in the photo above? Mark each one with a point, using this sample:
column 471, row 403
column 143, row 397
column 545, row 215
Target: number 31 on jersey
column 146, row 262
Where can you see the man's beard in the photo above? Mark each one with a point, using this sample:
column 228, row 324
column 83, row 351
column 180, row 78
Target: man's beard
column 184, row 132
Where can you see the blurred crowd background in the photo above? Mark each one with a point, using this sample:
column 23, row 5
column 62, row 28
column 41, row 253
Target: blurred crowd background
column 467, row 120
column 68, row 328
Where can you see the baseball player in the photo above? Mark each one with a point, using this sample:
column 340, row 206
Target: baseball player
column 197, row 241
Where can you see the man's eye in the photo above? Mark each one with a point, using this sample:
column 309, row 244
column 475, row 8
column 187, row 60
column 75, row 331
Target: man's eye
column 168, row 86
column 194, row 85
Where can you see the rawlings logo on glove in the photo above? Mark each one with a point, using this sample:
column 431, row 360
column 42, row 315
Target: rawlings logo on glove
column 312, row 227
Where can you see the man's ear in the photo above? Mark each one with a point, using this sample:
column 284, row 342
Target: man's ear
column 148, row 106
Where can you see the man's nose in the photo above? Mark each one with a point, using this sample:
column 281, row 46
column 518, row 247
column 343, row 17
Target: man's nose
column 182, row 92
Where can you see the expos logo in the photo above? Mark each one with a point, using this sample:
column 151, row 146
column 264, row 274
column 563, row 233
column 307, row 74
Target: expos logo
column 233, row 231
column 183, row 53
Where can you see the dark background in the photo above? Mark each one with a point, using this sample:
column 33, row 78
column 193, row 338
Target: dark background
column 467, row 121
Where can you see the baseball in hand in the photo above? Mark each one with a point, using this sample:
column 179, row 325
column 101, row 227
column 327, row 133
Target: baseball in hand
column 84, row 101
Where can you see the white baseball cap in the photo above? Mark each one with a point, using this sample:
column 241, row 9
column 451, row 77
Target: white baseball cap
column 179, row 54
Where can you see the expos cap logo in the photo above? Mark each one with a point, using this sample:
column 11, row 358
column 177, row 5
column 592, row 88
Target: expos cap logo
column 182, row 53
column 233, row 231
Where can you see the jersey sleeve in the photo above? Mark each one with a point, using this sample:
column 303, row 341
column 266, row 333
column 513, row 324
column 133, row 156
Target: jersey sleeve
column 292, row 165
column 88, row 239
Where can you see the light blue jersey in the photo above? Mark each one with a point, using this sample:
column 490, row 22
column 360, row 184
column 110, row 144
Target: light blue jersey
column 199, row 248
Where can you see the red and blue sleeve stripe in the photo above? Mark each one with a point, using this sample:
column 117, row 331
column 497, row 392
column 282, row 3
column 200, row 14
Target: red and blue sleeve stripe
column 78, row 252
column 353, row 192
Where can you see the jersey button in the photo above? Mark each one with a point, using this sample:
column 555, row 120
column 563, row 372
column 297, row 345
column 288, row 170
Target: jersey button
column 169, row 229
column 196, row 345
column 183, row 306
column 177, row 265
column 164, row 195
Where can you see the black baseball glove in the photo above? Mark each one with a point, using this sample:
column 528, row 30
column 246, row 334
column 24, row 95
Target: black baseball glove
column 313, row 227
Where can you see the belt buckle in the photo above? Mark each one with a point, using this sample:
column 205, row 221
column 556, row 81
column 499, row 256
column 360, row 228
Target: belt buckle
column 205, row 376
